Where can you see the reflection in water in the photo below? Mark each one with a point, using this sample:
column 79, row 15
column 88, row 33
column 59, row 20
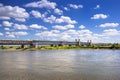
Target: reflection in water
column 60, row 65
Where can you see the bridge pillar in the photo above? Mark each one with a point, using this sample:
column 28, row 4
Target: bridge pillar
column 36, row 45
column 33, row 45
column 22, row 46
column 89, row 42
column 61, row 44
column 77, row 42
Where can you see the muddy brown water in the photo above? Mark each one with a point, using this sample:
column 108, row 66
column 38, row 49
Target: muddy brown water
column 60, row 65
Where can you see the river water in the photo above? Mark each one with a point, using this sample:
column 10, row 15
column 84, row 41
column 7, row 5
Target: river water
column 60, row 65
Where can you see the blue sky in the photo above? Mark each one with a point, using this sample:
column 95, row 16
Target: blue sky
column 96, row 20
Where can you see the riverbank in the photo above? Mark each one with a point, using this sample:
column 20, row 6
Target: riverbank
column 58, row 47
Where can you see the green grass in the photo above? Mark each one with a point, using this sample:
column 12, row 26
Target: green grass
column 113, row 46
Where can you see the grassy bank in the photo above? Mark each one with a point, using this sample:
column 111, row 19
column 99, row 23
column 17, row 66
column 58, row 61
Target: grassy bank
column 113, row 46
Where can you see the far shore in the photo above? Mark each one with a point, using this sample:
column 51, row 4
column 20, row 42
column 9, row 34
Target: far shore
column 59, row 47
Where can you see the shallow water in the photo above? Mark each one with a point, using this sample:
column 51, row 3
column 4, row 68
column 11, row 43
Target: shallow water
column 60, row 65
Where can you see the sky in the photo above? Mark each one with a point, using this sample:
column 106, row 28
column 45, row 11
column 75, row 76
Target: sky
column 67, row 20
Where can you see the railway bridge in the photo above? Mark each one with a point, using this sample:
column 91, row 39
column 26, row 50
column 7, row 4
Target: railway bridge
column 34, row 43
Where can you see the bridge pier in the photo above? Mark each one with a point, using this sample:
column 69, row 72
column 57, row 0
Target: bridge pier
column 77, row 42
column 36, row 45
column 22, row 46
column 33, row 45
column 89, row 42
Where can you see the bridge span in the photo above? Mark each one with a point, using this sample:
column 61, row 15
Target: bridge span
column 33, row 43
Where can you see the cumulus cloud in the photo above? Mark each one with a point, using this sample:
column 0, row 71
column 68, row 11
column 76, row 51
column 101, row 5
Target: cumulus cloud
column 59, row 27
column 0, row 25
column 58, row 11
column 53, row 35
column 36, row 26
column 65, row 19
column 111, row 32
column 109, row 25
column 97, row 7
column 20, row 26
column 36, row 14
column 74, row 6
column 65, row 8
column 66, row 34
column 1, row 34
column 42, row 4
column 65, row 37
column 7, row 29
column 1, row 4
column 18, row 13
column 19, row 33
column 55, row 31
column 50, row 19
column 7, row 23
column 85, row 32
column 11, row 36
column 70, row 32
column 62, row 19
column 47, row 34
column 83, row 35
column 81, row 26
column 99, row 16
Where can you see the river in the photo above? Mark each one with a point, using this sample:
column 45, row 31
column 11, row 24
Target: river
column 60, row 65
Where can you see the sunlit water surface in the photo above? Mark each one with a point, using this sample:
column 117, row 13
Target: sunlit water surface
column 60, row 65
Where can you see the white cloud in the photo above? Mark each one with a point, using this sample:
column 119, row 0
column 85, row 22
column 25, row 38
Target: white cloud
column 111, row 32
column 4, row 18
column 97, row 7
column 65, row 8
column 65, row 19
column 19, row 33
column 0, row 25
column 36, row 26
column 50, row 19
column 99, row 16
column 81, row 26
column 20, row 26
column 84, row 32
column 55, row 31
column 18, row 13
column 47, row 34
column 20, row 19
column 11, row 36
column 7, row 29
column 1, row 4
column 74, row 6
column 7, row 23
column 83, row 35
column 58, row 11
column 70, row 32
column 67, row 35
column 1, row 34
column 42, row 4
column 59, row 27
column 109, row 25
column 62, row 19
column 36, row 14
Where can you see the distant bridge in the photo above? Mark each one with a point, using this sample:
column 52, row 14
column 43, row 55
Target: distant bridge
column 41, row 42
column 15, row 42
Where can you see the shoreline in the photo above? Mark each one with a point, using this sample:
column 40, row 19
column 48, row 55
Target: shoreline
column 58, row 48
